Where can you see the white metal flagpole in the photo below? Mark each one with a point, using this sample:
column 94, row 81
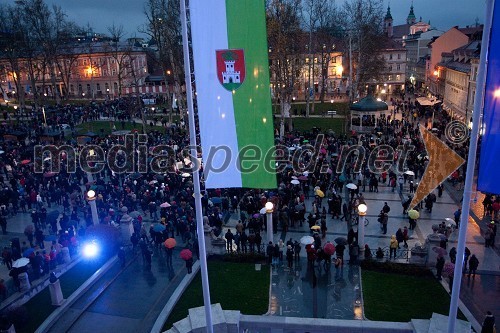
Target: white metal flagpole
column 471, row 162
column 196, row 176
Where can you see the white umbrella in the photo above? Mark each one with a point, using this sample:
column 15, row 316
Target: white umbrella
column 450, row 221
column 185, row 175
column 291, row 148
column 410, row 173
column 165, row 205
column 351, row 186
column 295, row 182
column 306, row 240
column 263, row 211
column 20, row 262
column 306, row 173
column 153, row 182
column 294, row 177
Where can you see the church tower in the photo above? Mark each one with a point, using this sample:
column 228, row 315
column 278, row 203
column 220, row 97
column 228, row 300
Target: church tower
column 388, row 23
column 411, row 19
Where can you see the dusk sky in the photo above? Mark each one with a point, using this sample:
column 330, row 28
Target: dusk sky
column 100, row 14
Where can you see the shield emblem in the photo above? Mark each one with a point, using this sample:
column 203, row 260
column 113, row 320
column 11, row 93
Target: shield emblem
column 230, row 68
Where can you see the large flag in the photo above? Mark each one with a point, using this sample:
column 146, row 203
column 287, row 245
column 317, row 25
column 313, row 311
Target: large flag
column 231, row 70
column 489, row 177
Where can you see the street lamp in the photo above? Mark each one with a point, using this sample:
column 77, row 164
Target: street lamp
column 362, row 208
column 93, row 207
column 269, row 220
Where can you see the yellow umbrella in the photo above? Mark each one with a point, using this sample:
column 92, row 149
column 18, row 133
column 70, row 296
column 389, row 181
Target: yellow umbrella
column 315, row 227
column 320, row 193
column 413, row 214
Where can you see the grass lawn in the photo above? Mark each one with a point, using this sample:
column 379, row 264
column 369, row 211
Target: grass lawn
column 96, row 126
column 400, row 298
column 326, row 123
column 39, row 307
column 319, row 108
column 235, row 286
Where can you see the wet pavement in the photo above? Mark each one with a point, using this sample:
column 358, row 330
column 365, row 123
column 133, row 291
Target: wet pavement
column 315, row 292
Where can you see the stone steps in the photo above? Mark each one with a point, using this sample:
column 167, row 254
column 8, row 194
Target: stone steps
column 439, row 324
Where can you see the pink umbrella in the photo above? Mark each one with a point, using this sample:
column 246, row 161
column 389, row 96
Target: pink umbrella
column 329, row 248
column 186, row 254
column 165, row 205
column 303, row 178
column 449, row 269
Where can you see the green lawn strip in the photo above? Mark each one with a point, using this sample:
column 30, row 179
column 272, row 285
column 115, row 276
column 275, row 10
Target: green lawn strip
column 319, row 108
column 236, row 286
column 306, row 124
column 40, row 307
column 400, row 298
column 96, row 126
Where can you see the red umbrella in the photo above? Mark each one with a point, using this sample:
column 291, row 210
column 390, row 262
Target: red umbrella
column 329, row 248
column 303, row 178
column 170, row 243
column 186, row 254
column 24, row 162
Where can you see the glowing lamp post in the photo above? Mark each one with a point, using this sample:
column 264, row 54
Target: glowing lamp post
column 93, row 207
column 362, row 208
column 269, row 219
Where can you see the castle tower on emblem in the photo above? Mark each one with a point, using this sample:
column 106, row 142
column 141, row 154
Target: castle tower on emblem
column 230, row 75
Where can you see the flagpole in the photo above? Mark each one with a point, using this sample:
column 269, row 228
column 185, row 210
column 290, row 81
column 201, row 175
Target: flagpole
column 471, row 162
column 196, row 176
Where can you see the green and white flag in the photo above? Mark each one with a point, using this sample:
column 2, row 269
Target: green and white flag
column 231, row 70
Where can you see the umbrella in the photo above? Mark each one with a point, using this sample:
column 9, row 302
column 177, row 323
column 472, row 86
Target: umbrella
column 306, row 240
column 124, row 209
column 450, row 221
column 413, row 214
column 329, row 248
column 294, row 177
column 291, row 148
column 299, row 207
column 315, row 227
column 165, row 205
column 439, row 250
column 351, row 186
column 295, row 182
column 263, row 210
column 216, row 200
column 320, row 193
column 49, row 174
column 303, row 178
column 256, row 216
column 341, row 241
column 121, row 132
column 21, row 262
column 185, row 175
column 449, row 269
column 170, row 243
column 24, row 162
column 157, row 227
column 135, row 214
column 410, row 173
column 28, row 252
column 2, row 152
column 153, row 182
column 186, row 254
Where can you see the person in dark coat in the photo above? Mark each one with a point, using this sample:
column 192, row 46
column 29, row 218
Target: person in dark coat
column 488, row 323
column 473, row 263
column 189, row 265
column 439, row 266
column 289, row 256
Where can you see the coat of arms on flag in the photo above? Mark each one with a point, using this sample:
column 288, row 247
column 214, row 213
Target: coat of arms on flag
column 230, row 68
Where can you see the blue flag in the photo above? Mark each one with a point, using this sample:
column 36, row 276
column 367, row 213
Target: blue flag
column 489, row 177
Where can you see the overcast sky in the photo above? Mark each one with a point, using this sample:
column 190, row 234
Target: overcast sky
column 101, row 14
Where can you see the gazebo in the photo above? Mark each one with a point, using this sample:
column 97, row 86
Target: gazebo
column 366, row 112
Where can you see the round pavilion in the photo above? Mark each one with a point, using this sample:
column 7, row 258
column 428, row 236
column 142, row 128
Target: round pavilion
column 366, row 113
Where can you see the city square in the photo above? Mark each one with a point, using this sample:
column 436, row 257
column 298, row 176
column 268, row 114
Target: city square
column 313, row 177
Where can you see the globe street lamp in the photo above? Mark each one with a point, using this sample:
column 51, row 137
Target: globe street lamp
column 362, row 208
column 93, row 207
column 269, row 219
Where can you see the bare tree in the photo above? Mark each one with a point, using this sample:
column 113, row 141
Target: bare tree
column 362, row 20
column 164, row 27
column 120, row 52
column 285, row 48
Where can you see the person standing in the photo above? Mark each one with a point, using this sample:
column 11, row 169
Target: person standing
column 189, row 265
column 393, row 246
column 289, row 256
column 473, row 264
column 338, row 268
column 229, row 241
column 439, row 266
column 488, row 323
